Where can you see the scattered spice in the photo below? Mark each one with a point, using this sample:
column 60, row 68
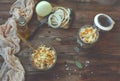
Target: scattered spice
column 67, row 68
column 69, row 74
column 86, row 63
column 77, row 49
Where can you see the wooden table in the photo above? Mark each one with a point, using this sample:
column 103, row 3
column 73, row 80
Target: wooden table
column 100, row 63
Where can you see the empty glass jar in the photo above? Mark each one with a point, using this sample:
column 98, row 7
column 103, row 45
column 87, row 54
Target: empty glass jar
column 23, row 29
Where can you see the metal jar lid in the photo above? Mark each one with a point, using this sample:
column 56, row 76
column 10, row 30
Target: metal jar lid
column 103, row 22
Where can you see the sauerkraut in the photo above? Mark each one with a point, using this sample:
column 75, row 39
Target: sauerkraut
column 44, row 57
column 88, row 35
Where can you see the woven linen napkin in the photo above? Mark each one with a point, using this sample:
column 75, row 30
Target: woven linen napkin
column 12, row 69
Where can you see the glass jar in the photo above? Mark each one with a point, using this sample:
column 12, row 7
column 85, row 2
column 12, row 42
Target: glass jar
column 23, row 29
column 43, row 58
column 88, row 35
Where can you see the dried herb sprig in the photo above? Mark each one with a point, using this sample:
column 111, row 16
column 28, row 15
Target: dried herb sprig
column 78, row 64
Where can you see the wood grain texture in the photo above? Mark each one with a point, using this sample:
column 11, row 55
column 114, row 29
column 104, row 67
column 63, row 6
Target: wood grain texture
column 100, row 63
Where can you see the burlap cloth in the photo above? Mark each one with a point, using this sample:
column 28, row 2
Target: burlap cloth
column 12, row 69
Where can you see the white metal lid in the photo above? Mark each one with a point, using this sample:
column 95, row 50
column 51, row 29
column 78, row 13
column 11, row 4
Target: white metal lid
column 105, row 28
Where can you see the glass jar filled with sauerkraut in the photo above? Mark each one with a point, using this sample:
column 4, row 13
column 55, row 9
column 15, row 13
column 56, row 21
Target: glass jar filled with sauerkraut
column 44, row 58
column 88, row 35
